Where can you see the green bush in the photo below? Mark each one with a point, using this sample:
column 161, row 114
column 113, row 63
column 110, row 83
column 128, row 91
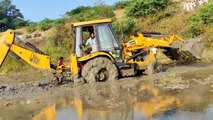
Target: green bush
column 78, row 10
column 31, row 28
column 129, row 25
column 200, row 20
column 195, row 25
column 59, row 42
column 59, row 22
column 208, row 33
column 92, row 13
column 206, row 14
column 45, row 24
column 18, row 23
column 140, row 8
column 122, row 4
column 117, row 27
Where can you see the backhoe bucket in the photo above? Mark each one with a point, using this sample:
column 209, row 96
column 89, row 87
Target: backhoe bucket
column 6, row 40
column 180, row 56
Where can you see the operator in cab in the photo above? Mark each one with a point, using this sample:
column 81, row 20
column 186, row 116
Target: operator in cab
column 92, row 43
column 91, row 40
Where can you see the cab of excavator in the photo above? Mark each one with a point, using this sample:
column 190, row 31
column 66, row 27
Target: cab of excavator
column 104, row 37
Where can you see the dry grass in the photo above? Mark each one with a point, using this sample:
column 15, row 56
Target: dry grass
column 119, row 14
column 176, row 23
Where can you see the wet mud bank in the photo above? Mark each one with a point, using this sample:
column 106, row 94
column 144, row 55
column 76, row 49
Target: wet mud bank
column 181, row 91
column 186, row 76
column 175, row 78
column 180, row 88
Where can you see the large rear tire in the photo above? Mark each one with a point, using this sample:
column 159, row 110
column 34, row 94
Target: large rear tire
column 100, row 69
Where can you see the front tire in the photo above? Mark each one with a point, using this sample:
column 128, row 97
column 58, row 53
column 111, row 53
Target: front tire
column 99, row 69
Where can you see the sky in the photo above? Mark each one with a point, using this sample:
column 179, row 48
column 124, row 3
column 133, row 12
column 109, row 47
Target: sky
column 37, row 10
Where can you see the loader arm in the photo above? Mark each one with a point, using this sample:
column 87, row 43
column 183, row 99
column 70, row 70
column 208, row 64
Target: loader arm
column 141, row 42
column 172, row 37
column 35, row 58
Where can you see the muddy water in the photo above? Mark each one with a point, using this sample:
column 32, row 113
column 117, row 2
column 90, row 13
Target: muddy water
column 119, row 101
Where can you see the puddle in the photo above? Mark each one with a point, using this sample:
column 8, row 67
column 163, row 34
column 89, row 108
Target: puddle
column 120, row 102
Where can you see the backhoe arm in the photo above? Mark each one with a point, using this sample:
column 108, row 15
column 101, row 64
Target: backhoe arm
column 37, row 59
column 6, row 40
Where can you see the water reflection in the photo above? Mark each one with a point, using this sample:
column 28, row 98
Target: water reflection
column 156, row 103
column 48, row 113
column 112, row 102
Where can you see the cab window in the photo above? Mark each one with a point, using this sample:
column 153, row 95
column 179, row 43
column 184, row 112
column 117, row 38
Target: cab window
column 106, row 38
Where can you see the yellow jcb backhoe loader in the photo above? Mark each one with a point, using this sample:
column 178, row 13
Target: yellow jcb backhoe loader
column 106, row 63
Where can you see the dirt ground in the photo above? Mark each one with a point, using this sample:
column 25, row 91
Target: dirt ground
column 22, row 88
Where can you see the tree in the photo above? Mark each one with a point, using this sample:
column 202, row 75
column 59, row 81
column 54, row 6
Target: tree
column 10, row 16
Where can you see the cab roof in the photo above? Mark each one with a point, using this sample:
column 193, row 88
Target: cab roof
column 91, row 22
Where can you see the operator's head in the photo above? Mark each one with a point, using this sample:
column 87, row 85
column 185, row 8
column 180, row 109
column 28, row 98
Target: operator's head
column 92, row 35
column 61, row 58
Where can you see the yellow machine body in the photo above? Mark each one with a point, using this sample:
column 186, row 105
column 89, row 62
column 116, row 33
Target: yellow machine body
column 92, row 22
column 74, row 65
column 96, row 54
column 144, row 43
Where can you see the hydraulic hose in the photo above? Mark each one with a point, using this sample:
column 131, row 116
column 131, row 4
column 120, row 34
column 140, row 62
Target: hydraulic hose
column 30, row 45
column 136, row 55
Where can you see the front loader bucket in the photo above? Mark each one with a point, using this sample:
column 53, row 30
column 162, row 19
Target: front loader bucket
column 5, row 42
